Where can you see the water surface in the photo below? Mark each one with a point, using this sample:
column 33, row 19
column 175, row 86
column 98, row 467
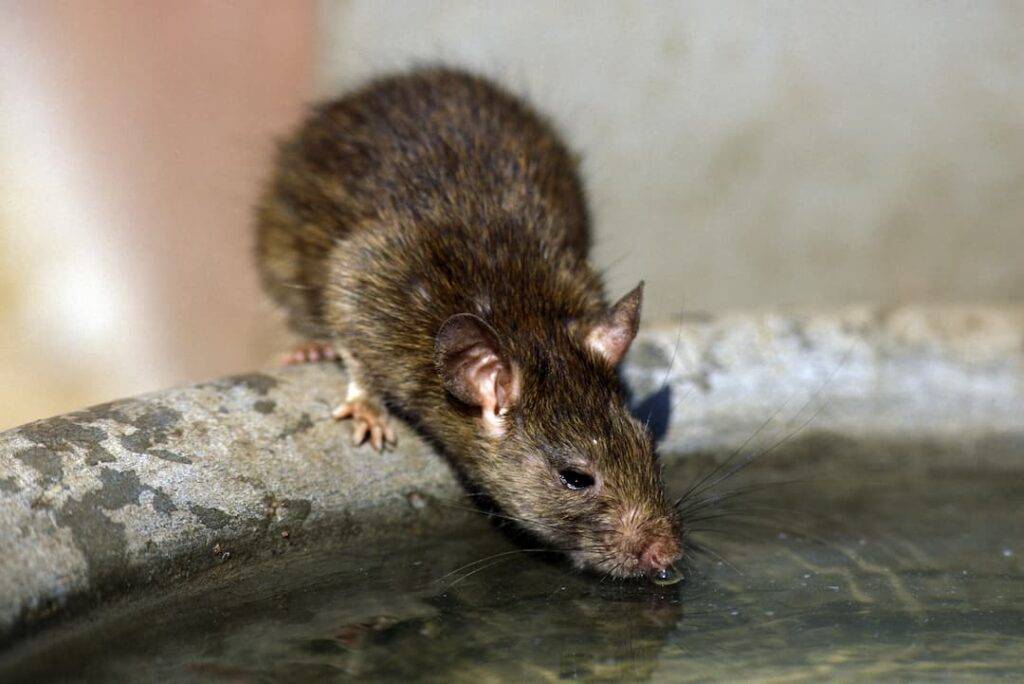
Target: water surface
column 852, row 573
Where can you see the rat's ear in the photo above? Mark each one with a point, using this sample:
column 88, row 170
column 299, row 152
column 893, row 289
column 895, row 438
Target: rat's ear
column 611, row 336
column 470, row 361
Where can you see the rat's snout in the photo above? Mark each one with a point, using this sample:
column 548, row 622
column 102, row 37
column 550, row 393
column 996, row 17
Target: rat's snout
column 644, row 543
column 659, row 554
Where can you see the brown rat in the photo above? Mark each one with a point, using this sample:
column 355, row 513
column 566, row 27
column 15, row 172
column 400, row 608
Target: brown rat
column 432, row 230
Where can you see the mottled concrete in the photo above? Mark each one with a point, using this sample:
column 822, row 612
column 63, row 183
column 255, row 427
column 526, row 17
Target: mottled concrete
column 160, row 487
column 167, row 484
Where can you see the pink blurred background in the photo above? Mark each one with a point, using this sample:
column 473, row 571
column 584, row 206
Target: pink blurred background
column 134, row 136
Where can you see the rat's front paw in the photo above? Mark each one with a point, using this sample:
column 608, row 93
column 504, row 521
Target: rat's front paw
column 368, row 418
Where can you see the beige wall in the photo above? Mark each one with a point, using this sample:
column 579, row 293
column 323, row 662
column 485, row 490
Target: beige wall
column 752, row 154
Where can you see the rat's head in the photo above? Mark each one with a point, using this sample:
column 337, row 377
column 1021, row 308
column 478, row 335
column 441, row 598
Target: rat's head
column 560, row 452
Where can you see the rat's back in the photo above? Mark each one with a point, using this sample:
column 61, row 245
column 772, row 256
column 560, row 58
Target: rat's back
column 432, row 147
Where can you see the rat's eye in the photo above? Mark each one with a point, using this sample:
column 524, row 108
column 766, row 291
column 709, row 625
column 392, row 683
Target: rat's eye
column 574, row 479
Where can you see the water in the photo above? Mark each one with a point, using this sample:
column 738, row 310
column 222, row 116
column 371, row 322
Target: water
column 857, row 572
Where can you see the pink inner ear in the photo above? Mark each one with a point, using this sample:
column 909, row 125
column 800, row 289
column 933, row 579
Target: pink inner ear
column 481, row 370
column 611, row 336
column 468, row 358
column 609, row 342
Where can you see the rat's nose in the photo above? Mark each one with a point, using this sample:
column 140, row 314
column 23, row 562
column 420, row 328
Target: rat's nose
column 659, row 554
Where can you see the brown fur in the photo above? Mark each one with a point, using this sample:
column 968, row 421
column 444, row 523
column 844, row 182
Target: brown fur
column 436, row 193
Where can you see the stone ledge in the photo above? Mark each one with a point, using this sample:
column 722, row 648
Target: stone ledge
column 939, row 373
column 163, row 486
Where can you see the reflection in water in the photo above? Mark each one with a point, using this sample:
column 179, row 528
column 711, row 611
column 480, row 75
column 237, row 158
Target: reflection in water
column 915, row 575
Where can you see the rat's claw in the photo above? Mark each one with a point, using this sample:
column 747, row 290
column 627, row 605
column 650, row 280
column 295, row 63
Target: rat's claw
column 381, row 435
column 369, row 419
column 310, row 352
column 359, row 432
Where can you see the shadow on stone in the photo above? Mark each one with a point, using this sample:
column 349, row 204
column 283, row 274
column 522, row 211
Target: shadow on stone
column 655, row 411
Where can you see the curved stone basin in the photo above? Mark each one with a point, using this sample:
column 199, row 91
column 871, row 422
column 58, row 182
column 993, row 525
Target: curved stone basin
column 190, row 488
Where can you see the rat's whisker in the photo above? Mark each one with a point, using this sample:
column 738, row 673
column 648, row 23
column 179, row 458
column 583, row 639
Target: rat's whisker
column 495, row 514
column 501, row 554
column 773, row 526
column 695, row 488
column 703, row 485
column 668, row 370
column 473, row 572
column 712, row 516
column 496, row 560
column 742, row 514
column 675, row 350
column 736, row 469
column 743, row 509
column 294, row 286
column 715, row 499
column 707, row 550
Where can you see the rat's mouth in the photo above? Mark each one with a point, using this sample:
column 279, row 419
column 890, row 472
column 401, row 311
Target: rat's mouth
column 667, row 576
column 628, row 568
column 652, row 549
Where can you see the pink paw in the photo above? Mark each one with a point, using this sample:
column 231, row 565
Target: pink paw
column 368, row 419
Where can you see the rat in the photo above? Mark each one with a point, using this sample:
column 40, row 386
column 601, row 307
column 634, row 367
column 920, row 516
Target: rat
column 430, row 229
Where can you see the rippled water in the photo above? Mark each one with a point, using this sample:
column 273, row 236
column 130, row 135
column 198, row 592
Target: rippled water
column 852, row 573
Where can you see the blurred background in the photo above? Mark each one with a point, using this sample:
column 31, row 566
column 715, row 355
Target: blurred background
column 737, row 155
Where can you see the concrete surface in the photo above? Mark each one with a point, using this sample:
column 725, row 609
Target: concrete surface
column 162, row 487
